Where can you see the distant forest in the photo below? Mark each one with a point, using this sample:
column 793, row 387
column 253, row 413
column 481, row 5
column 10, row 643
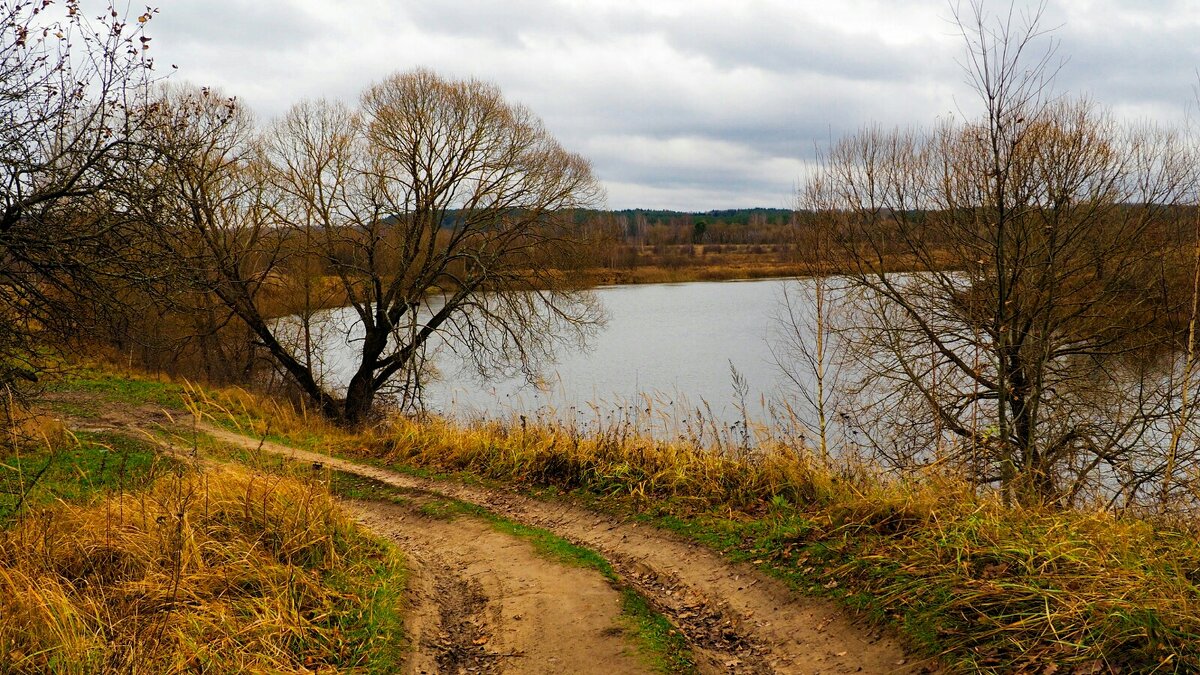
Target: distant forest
column 651, row 227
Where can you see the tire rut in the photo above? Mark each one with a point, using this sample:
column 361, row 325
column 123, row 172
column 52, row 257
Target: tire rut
column 442, row 623
column 485, row 602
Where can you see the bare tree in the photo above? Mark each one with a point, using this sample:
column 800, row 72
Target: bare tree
column 806, row 322
column 208, row 215
column 1036, row 233
column 438, row 211
column 72, row 89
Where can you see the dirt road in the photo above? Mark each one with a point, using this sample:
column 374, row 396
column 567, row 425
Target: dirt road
column 735, row 619
column 485, row 602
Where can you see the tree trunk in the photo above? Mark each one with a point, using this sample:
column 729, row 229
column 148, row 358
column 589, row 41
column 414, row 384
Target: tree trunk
column 360, row 398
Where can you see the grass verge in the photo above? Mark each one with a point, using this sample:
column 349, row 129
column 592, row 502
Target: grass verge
column 223, row 570
column 77, row 468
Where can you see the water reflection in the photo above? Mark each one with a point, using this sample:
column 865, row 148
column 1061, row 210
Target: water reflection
column 663, row 361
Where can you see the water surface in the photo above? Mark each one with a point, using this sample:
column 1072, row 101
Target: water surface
column 671, row 344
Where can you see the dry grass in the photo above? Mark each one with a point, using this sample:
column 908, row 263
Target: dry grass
column 688, row 263
column 616, row 461
column 989, row 588
column 223, row 570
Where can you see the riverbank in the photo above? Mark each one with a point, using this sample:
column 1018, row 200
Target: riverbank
column 132, row 539
column 656, row 274
column 650, row 265
column 497, row 575
column 985, row 587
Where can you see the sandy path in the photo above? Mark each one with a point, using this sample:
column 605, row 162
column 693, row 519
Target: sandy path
column 735, row 618
column 484, row 602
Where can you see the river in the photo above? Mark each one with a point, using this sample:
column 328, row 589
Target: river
column 665, row 353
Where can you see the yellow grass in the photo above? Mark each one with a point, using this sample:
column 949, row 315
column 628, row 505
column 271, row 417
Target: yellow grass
column 988, row 587
column 223, row 570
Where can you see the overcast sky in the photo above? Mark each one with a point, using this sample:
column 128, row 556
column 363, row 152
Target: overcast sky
column 680, row 104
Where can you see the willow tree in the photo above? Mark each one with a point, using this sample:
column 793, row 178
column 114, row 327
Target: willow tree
column 1036, row 231
column 438, row 211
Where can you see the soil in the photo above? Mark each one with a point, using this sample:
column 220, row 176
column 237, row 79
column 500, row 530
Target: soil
column 484, row 602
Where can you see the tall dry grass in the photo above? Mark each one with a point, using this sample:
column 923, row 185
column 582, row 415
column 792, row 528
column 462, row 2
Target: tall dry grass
column 986, row 586
column 224, row 570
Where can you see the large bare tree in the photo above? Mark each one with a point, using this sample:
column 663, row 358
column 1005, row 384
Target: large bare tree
column 437, row 211
column 1019, row 348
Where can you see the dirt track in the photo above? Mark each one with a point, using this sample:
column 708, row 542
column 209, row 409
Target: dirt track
column 735, row 619
column 484, row 602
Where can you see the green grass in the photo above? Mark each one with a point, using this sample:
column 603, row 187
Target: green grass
column 78, row 409
column 352, row 486
column 665, row 648
column 367, row 612
column 114, row 387
column 98, row 464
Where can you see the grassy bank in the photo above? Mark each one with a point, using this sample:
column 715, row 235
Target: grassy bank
column 87, row 394
column 984, row 586
column 121, row 560
column 700, row 271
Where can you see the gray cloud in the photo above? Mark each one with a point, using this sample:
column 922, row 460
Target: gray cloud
column 264, row 25
column 805, row 43
column 688, row 104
